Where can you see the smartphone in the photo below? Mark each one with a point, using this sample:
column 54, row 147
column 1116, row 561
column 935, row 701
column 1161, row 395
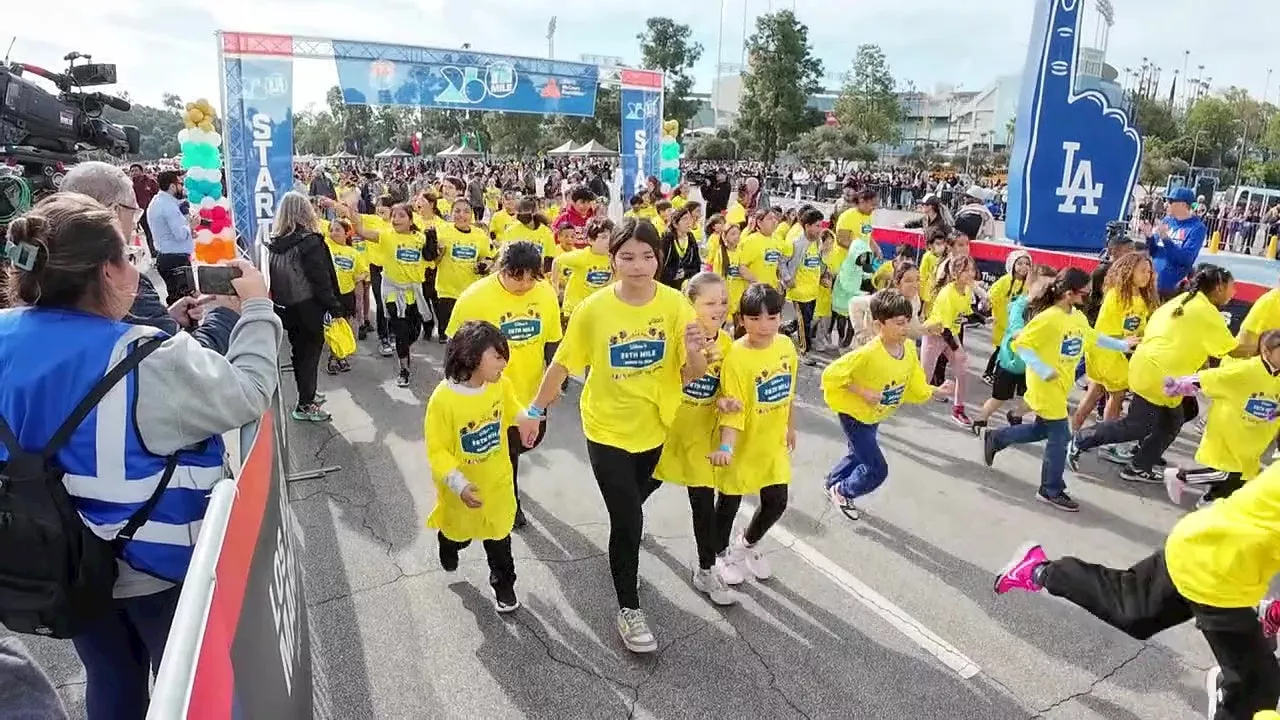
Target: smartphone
column 216, row 279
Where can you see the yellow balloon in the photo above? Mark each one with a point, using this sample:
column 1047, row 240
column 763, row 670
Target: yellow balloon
column 195, row 115
column 671, row 127
column 206, row 126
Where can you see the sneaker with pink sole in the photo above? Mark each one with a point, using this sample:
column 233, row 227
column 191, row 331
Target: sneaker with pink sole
column 1174, row 485
column 1019, row 574
column 1269, row 614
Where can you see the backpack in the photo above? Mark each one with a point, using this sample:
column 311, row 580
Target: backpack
column 57, row 576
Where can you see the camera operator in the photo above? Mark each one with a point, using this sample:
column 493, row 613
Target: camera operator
column 173, row 239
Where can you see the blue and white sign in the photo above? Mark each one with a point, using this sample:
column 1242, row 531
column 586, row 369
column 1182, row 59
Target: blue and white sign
column 259, row 129
column 1075, row 158
column 465, row 80
column 641, row 138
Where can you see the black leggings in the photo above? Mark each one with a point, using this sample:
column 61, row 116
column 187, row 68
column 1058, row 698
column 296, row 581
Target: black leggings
column 626, row 481
column 516, row 448
column 404, row 330
column 773, row 502
column 804, row 323
column 991, row 362
column 432, row 305
column 444, row 311
column 1154, row 426
column 502, row 567
column 702, row 506
column 375, row 283
column 844, row 329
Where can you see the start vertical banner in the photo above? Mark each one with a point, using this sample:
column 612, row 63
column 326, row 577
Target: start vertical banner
column 259, row 136
column 640, row 149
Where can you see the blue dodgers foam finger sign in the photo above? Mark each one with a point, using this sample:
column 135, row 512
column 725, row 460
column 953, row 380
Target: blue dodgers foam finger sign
column 1075, row 158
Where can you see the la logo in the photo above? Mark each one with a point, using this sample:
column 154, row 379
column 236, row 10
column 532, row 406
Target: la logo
column 1077, row 184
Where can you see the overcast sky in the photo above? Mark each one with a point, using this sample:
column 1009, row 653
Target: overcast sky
column 168, row 45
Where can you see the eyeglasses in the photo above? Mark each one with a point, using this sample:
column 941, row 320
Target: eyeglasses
column 134, row 210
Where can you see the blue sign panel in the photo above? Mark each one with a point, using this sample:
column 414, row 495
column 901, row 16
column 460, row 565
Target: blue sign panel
column 464, row 80
column 1075, row 157
column 641, row 137
column 259, row 127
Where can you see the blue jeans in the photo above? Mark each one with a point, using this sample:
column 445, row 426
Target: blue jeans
column 864, row 468
column 1057, row 434
column 121, row 652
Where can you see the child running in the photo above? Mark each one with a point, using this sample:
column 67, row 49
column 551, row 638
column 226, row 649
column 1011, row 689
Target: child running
column 580, row 273
column 693, row 437
column 1051, row 345
column 1241, row 424
column 759, row 371
column 348, row 264
column 865, row 387
column 953, row 303
column 1009, row 381
column 1010, row 286
column 465, row 427
column 1215, row 568
column 906, row 280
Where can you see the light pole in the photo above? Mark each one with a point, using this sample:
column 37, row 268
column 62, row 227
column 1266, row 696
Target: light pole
column 715, row 82
column 1195, row 145
column 551, row 38
column 1186, row 57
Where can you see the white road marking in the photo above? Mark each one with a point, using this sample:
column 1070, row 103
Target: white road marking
column 878, row 604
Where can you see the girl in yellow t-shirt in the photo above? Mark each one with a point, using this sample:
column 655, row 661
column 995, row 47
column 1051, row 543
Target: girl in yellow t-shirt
column 465, row 255
column 643, row 344
column 726, row 262
column 759, row 372
column 803, row 272
column 528, row 225
column 585, row 271
column 1128, row 297
column 1009, row 286
column 711, row 243
column 693, row 437
column 1241, row 424
column 822, row 310
column 953, row 303
column 402, row 248
column 466, row 435
column 347, row 266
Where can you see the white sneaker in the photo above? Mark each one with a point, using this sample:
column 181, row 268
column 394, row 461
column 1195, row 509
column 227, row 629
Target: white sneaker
column 713, row 586
column 634, row 629
column 1173, row 485
column 729, row 568
column 1213, row 689
column 755, row 562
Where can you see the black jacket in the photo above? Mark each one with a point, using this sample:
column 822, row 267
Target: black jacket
column 302, row 268
column 677, row 267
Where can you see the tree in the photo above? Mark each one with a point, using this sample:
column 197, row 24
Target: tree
column 1154, row 118
column 666, row 45
column 1010, row 130
column 868, row 106
column 1158, row 163
column 353, row 120
column 831, row 142
column 158, row 128
column 783, row 72
column 1271, row 138
column 922, row 157
column 605, row 125
column 169, row 101
column 711, row 148
column 1213, row 129
column 515, row 134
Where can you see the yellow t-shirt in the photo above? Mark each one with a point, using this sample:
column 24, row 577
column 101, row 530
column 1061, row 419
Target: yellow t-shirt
column 1002, row 292
column 1117, row 319
column 584, row 271
column 1264, row 315
column 659, row 224
column 678, row 201
column 761, row 254
column 808, row 274
column 444, row 206
column 346, row 265
column 735, row 214
column 466, row 431
column 402, row 261
column 1058, row 338
column 950, row 308
column 370, row 250
column 528, row 321
column 734, row 281
column 491, row 197
column 459, row 253
column 859, row 226
column 1242, row 417
column 883, row 275
column 928, row 273
column 635, row 354
column 764, row 381
column 695, row 432
column 540, row 236
column 1177, row 346
column 1225, row 555
column 499, row 222
column 899, row 380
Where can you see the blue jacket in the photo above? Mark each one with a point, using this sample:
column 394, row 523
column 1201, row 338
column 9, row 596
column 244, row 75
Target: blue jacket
column 1175, row 257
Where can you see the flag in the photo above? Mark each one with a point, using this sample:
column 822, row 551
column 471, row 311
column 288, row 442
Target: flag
column 1173, row 89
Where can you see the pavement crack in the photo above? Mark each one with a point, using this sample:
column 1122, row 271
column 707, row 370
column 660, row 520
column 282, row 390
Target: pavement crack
column 1092, row 686
column 524, row 620
column 657, row 661
column 773, row 676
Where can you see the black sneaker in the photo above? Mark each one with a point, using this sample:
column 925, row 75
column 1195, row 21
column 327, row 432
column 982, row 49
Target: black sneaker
column 428, row 329
column 344, row 366
column 402, row 379
column 1138, row 475
column 1073, row 454
column 505, row 600
column 362, row 332
column 385, row 349
column 1062, row 502
column 977, row 426
column 1013, row 418
column 521, row 520
column 988, row 379
column 332, row 367
column 442, row 339
column 988, row 446
column 448, row 556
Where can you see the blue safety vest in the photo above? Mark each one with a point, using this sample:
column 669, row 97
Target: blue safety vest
column 49, row 361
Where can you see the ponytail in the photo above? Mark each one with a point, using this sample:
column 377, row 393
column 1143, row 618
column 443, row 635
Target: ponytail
column 1207, row 278
column 1069, row 280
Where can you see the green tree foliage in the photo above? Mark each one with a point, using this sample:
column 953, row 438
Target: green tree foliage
column 782, row 73
column 667, row 45
column 159, row 127
column 1154, row 118
column 1213, row 128
column 354, row 120
column 710, row 148
column 1158, row 163
column 868, row 107
column 514, row 134
column 831, row 142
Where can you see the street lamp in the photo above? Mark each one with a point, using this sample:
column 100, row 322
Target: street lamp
column 1195, row 145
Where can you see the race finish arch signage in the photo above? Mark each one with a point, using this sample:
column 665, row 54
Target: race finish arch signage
column 1075, row 157
column 257, row 94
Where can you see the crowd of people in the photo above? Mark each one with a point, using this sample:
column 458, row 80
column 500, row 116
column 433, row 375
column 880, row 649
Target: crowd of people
column 686, row 327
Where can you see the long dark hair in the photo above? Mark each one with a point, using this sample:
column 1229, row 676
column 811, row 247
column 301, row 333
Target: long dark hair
column 1206, row 279
column 1069, row 280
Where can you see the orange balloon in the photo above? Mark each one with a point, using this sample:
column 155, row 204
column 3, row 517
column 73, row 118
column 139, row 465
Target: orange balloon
column 216, row 251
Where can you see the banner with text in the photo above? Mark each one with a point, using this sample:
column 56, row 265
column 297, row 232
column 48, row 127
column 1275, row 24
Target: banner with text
column 465, row 80
column 259, row 137
column 640, row 151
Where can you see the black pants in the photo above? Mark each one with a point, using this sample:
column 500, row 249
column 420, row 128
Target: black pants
column 1225, row 487
column 404, row 330
column 773, row 502
column 940, row 370
column 626, row 481
column 516, row 448
column 304, row 324
column 805, row 328
column 430, row 307
column 175, row 270
column 146, row 232
column 502, row 566
column 991, row 362
column 478, row 211
column 844, row 329
column 702, row 506
column 1143, row 601
column 1154, row 426
column 444, row 311
column 380, row 314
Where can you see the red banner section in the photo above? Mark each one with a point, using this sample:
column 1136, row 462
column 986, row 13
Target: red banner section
column 234, row 43
column 641, row 79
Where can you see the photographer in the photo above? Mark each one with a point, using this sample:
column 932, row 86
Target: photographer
column 171, row 230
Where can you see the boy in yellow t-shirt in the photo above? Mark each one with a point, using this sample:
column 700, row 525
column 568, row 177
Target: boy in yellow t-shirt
column 759, row 372
column 1214, row 568
column 466, row 431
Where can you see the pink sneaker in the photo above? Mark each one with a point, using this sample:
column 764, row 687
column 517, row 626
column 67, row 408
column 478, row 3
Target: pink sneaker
column 1174, row 485
column 1269, row 613
column 1019, row 573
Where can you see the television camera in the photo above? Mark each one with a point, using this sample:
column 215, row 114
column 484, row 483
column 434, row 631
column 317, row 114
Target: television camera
column 41, row 133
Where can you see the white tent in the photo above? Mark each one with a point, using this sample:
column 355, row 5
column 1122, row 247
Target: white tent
column 447, row 151
column 594, row 149
column 466, row 152
column 342, row 155
column 565, row 149
column 392, row 153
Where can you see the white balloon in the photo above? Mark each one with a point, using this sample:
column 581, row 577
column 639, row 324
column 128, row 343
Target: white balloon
column 204, row 236
column 184, row 135
column 207, row 203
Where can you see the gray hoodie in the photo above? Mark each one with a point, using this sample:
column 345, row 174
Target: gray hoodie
column 25, row 691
